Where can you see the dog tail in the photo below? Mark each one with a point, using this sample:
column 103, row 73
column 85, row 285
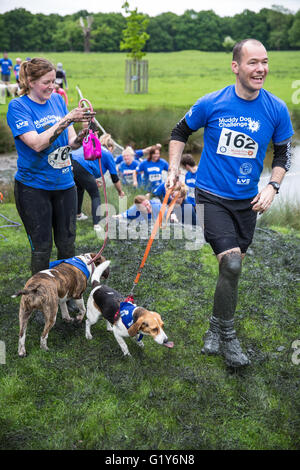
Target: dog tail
column 24, row 292
column 99, row 271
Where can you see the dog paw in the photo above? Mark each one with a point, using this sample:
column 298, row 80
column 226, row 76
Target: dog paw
column 22, row 353
column 88, row 336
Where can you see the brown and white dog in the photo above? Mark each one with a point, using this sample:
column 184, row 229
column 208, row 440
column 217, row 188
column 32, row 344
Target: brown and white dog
column 50, row 288
column 122, row 316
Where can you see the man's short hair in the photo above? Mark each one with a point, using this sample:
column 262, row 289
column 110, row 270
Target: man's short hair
column 237, row 50
column 187, row 159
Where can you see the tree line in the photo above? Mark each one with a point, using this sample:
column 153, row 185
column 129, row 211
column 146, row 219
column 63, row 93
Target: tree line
column 277, row 28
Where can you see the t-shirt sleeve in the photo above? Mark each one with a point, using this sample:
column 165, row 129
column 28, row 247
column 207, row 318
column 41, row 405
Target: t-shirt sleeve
column 165, row 165
column 140, row 167
column 119, row 159
column 196, row 117
column 284, row 128
column 139, row 154
column 132, row 213
column 111, row 165
column 19, row 118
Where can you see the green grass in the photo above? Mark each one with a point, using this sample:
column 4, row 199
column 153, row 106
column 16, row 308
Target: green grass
column 176, row 79
column 86, row 395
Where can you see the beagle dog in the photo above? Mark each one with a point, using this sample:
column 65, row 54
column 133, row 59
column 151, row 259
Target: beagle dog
column 53, row 287
column 123, row 317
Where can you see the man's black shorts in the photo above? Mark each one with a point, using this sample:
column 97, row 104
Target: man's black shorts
column 227, row 223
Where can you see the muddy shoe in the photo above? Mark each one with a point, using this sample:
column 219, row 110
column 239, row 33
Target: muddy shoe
column 233, row 354
column 230, row 346
column 212, row 338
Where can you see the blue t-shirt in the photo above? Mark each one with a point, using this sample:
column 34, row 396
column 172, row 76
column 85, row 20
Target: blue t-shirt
column 153, row 172
column 134, row 214
column 92, row 166
column 160, row 190
column 126, row 171
column 236, row 136
column 49, row 169
column 138, row 155
column 17, row 70
column 5, row 64
column 190, row 181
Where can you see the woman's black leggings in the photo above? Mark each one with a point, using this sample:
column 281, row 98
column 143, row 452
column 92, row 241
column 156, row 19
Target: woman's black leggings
column 86, row 181
column 41, row 211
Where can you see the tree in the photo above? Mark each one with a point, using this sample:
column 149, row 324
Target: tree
column 228, row 43
column 86, row 29
column 67, row 36
column 294, row 32
column 134, row 36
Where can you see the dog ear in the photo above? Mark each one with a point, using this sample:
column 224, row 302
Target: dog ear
column 135, row 328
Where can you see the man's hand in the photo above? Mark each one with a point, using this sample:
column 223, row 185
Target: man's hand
column 263, row 200
column 172, row 178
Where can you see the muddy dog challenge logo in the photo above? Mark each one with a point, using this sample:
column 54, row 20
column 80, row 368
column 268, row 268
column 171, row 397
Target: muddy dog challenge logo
column 246, row 122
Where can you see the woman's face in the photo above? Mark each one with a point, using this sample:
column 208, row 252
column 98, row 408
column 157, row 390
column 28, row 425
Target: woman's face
column 156, row 155
column 41, row 89
column 128, row 158
column 144, row 206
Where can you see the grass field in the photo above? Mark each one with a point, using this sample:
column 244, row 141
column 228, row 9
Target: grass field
column 176, row 79
column 85, row 395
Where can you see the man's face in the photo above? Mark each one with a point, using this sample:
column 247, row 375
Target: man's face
column 252, row 70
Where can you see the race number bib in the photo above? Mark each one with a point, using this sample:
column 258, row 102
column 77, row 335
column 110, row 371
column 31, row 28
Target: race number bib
column 128, row 176
column 60, row 158
column 155, row 177
column 236, row 144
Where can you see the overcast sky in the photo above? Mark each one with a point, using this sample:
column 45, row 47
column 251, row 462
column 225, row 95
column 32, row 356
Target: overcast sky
column 152, row 7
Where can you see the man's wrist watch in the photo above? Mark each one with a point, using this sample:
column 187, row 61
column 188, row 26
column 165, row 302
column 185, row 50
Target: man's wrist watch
column 275, row 185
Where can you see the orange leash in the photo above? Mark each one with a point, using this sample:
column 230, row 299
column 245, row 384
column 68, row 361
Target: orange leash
column 158, row 223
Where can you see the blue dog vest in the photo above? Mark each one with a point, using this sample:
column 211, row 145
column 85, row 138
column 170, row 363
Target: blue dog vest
column 126, row 312
column 74, row 262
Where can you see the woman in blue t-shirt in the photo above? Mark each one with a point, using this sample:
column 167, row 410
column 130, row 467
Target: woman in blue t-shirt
column 45, row 191
column 128, row 166
column 152, row 169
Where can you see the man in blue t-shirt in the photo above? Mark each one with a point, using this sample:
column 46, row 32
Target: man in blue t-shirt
column 239, row 122
column 6, row 67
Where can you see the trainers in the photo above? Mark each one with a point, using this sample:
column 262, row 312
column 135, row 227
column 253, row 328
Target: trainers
column 230, row 346
column 81, row 216
column 233, row 354
column 212, row 338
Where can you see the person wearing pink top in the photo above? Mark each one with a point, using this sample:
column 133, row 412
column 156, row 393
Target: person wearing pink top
column 61, row 91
